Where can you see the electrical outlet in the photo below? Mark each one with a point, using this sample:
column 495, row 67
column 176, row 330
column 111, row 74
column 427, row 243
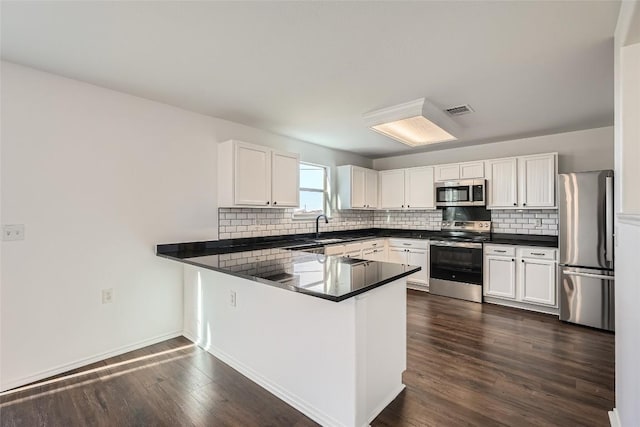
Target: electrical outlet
column 107, row 296
column 13, row 232
column 232, row 298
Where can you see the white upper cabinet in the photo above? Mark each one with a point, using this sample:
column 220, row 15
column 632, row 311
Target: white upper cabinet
column 371, row 188
column 537, row 180
column 472, row 170
column 418, row 188
column 522, row 182
column 456, row 171
column 285, row 179
column 410, row 188
column 252, row 165
column 255, row 176
column 447, row 172
column 357, row 188
column 391, row 189
column 502, row 183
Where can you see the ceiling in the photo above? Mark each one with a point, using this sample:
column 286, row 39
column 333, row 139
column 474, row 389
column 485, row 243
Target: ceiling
column 309, row 70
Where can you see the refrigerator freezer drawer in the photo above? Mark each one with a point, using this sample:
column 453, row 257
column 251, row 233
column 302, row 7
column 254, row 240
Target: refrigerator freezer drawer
column 587, row 297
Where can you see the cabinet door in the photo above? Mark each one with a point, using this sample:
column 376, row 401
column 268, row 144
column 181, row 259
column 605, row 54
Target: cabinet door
column 391, row 189
column 418, row 188
column 371, row 189
column 447, row 172
column 500, row 276
column 252, row 175
column 285, row 180
column 537, row 181
column 502, row 180
column 358, row 178
column 397, row 255
column 538, row 281
column 419, row 257
column 472, row 170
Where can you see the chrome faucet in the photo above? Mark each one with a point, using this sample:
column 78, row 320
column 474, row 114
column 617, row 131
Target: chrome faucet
column 326, row 221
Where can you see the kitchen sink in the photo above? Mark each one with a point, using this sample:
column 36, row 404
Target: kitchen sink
column 326, row 241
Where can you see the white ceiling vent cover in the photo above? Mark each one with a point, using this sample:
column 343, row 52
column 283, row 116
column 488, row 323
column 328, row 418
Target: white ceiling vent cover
column 459, row 110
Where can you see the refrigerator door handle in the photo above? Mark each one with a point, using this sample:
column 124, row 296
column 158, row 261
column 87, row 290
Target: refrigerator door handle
column 609, row 219
column 591, row 275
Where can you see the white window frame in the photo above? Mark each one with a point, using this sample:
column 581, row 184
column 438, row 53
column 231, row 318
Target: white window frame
column 299, row 215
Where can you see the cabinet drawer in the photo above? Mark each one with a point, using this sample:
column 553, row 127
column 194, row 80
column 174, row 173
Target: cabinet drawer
column 409, row 243
column 537, row 253
column 500, row 250
column 350, row 247
column 372, row 244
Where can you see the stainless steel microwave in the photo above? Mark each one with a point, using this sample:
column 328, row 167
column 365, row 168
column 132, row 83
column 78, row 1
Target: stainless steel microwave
column 461, row 193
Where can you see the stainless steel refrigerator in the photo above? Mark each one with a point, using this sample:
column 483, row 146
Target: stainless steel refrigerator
column 585, row 209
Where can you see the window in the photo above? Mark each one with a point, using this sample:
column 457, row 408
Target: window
column 313, row 190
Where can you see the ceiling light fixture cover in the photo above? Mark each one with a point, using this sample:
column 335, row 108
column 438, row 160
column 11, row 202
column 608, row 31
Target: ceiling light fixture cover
column 413, row 123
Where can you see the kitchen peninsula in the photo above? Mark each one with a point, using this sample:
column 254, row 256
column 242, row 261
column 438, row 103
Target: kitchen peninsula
column 326, row 334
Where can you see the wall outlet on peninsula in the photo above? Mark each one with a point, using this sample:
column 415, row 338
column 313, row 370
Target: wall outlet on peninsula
column 107, row 296
column 232, row 298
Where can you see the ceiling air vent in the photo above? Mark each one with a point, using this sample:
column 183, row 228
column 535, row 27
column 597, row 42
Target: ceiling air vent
column 459, row 110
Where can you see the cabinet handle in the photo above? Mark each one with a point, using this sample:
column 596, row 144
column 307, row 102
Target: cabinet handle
column 407, row 244
column 275, row 203
column 501, row 251
column 513, row 260
column 515, row 204
column 522, row 260
column 537, row 253
column 524, row 204
column 267, row 202
column 408, row 206
column 403, row 206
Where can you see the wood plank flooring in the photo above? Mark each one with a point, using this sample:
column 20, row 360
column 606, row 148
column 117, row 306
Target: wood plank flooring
column 468, row 364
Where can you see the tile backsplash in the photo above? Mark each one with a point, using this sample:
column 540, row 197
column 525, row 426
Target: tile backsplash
column 234, row 223
column 542, row 221
column 412, row 220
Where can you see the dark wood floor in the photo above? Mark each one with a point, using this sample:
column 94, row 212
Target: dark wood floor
column 468, row 364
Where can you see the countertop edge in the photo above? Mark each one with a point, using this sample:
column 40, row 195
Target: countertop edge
column 293, row 288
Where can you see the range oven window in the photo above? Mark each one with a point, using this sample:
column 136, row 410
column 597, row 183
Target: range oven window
column 456, row 264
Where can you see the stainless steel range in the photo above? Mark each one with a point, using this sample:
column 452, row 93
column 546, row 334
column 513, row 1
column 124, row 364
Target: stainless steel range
column 456, row 259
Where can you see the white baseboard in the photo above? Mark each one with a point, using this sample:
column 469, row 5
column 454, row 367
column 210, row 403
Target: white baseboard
column 298, row 403
column 614, row 418
column 85, row 361
column 523, row 306
column 385, row 402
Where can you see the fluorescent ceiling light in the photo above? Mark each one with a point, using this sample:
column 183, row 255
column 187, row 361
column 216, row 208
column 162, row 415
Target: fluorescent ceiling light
column 413, row 123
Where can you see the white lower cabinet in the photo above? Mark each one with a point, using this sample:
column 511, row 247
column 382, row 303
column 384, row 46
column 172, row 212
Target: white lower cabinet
column 411, row 252
column 538, row 281
column 500, row 276
column 521, row 276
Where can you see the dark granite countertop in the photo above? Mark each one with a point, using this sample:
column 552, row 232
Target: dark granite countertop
column 524, row 240
column 307, row 241
column 282, row 261
column 329, row 277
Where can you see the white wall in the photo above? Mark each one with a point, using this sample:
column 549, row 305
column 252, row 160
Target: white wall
column 99, row 177
column 627, row 150
column 582, row 150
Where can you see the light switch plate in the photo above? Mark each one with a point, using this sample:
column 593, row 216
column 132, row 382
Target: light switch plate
column 13, row 232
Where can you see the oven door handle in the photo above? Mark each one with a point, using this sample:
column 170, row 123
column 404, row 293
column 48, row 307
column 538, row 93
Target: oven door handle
column 444, row 243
